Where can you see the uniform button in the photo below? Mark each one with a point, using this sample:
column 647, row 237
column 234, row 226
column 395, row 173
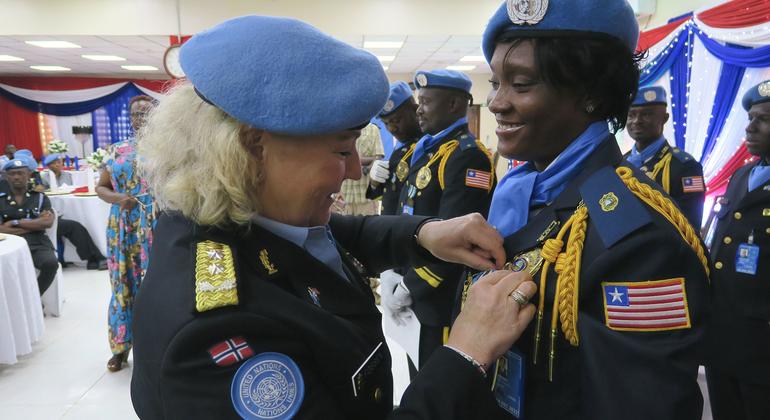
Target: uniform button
column 378, row 394
column 767, row 230
column 727, row 240
column 737, row 215
column 419, row 194
column 718, row 265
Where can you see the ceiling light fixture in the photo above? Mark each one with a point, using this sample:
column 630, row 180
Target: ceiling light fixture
column 50, row 68
column 460, row 68
column 139, row 68
column 52, row 44
column 10, row 58
column 103, row 57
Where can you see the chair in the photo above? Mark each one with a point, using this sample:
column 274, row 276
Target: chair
column 53, row 298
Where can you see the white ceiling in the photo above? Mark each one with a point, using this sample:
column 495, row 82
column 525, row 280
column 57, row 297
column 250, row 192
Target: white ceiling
column 417, row 52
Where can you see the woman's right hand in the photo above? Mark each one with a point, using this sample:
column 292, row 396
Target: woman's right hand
column 127, row 203
column 491, row 320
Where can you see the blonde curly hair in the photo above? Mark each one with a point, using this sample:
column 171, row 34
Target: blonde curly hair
column 200, row 161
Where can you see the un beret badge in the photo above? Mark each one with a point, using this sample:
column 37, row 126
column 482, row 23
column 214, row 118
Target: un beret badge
column 526, row 12
column 268, row 386
column 388, row 106
column 764, row 89
column 649, row 96
column 422, row 80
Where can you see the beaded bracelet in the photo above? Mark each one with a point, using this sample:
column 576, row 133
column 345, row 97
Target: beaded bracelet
column 482, row 367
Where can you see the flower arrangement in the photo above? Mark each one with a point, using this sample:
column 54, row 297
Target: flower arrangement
column 57, row 146
column 97, row 158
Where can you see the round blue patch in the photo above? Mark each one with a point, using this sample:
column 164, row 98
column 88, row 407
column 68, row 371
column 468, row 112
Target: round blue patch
column 268, row 386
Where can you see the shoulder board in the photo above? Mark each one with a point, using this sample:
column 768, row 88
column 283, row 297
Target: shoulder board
column 467, row 141
column 215, row 281
column 614, row 210
column 681, row 155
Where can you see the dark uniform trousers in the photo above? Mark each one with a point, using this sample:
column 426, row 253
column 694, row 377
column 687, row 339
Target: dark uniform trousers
column 682, row 169
column 390, row 191
column 738, row 371
column 78, row 235
column 612, row 373
column 41, row 248
column 287, row 302
column 452, row 191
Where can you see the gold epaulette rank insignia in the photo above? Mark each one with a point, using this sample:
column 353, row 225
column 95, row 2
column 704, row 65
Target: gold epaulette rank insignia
column 215, row 282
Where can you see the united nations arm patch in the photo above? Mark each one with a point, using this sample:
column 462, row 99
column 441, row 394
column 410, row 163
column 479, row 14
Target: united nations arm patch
column 268, row 386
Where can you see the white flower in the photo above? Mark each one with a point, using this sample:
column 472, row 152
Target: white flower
column 57, row 146
column 96, row 159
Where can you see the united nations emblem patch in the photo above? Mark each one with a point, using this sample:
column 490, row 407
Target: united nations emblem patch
column 764, row 89
column 649, row 96
column 268, row 386
column 526, row 12
column 422, row 80
column 388, row 106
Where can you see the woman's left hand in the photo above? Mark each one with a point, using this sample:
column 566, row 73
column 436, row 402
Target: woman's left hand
column 467, row 240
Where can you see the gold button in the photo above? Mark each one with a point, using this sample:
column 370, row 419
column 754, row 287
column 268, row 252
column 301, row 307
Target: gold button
column 767, row 230
column 718, row 265
column 737, row 215
column 727, row 240
column 377, row 394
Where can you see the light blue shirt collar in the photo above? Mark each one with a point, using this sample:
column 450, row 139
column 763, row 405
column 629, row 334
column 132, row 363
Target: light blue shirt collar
column 638, row 158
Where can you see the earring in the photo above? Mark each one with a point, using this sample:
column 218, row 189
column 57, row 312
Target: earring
column 590, row 108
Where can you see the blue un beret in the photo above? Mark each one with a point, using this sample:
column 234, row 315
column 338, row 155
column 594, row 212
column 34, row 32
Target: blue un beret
column 400, row 92
column 561, row 18
column 285, row 76
column 22, row 152
column 650, row 95
column 15, row 163
column 756, row 95
column 51, row 158
column 443, row 79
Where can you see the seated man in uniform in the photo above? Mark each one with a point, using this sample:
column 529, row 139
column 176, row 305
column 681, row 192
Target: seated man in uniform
column 70, row 229
column 738, row 374
column 28, row 214
column 680, row 175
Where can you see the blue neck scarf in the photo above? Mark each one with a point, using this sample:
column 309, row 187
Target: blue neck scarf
column 427, row 142
column 524, row 187
column 758, row 176
column 637, row 158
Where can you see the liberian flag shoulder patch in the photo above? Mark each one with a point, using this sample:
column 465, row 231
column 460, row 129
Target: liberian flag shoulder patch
column 478, row 179
column 692, row 184
column 230, row 351
column 659, row 305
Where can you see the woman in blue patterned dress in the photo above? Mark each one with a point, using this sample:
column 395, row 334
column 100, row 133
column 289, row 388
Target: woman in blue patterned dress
column 129, row 233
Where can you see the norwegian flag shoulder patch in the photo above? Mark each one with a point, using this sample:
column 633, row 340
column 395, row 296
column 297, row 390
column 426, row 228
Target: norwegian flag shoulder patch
column 659, row 305
column 478, row 179
column 693, row 184
column 230, row 351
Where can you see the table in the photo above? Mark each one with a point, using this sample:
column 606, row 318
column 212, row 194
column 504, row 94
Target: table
column 89, row 211
column 21, row 314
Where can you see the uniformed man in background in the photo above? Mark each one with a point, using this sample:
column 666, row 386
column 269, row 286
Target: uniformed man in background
column 388, row 176
column 28, row 214
column 680, row 175
column 450, row 174
column 738, row 373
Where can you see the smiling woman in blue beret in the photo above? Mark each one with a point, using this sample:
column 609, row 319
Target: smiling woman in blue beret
column 622, row 274
column 252, row 305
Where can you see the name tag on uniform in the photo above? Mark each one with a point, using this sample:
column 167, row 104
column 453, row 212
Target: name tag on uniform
column 408, row 210
column 509, row 382
column 747, row 258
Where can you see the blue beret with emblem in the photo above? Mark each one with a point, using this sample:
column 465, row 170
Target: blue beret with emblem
column 650, row 95
column 561, row 18
column 51, row 158
column 285, row 76
column 268, row 386
column 16, row 163
column 448, row 79
column 756, row 95
column 400, row 92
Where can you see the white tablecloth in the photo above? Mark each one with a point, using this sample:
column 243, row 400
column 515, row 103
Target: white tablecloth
column 21, row 314
column 91, row 212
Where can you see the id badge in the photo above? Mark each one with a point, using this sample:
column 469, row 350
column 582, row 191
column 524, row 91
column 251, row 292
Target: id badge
column 408, row 210
column 508, row 384
column 747, row 258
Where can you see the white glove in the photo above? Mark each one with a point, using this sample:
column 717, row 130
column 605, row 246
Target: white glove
column 395, row 296
column 379, row 172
